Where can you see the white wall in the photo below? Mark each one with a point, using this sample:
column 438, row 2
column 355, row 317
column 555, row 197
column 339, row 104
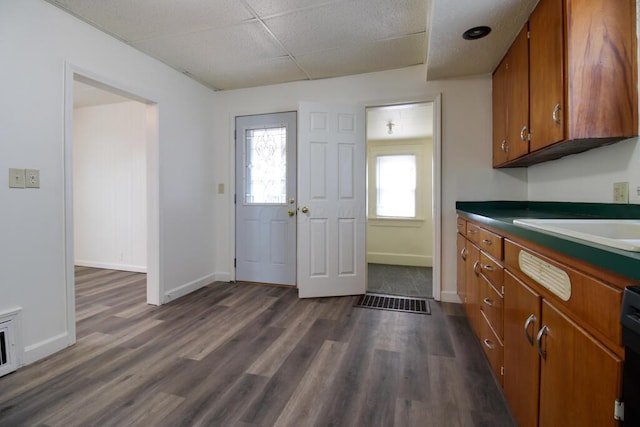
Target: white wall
column 466, row 150
column 37, row 40
column 588, row 176
column 110, row 186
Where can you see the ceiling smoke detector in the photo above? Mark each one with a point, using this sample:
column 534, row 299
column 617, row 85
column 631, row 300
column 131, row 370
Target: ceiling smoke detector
column 476, row 33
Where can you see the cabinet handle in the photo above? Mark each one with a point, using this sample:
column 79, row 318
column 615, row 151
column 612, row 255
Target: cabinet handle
column 523, row 134
column 488, row 267
column 556, row 114
column 488, row 344
column 504, row 146
column 463, row 253
column 488, row 302
column 472, row 231
column 475, row 268
column 543, row 331
column 528, row 323
column 487, row 242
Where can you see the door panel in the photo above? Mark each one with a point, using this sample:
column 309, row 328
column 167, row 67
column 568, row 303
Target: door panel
column 265, row 186
column 579, row 378
column 521, row 360
column 331, row 185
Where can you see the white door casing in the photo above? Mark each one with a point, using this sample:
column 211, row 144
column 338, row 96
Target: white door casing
column 331, row 200
column 266, row 229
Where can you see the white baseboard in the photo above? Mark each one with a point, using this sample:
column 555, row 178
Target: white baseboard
column 400, row 259
column 42, row 349
column 450, row 296
column 188, row 288
column 112, row 266
column 222, row 277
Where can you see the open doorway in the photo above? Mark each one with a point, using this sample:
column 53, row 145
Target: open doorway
column 400, row 199
column 111, row 184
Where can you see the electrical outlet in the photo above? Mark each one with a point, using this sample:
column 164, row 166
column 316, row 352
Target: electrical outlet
column 16, row 178
column 32, row 178
column 620, row 192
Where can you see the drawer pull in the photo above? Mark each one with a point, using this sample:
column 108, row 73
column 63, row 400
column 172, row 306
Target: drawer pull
column 488, row 302
column 528, row 323
column 463, row 253
column 488, row 344
column 488, row 267
column 487, row 242
column 543, row 331
column 472, row 231
column 475, row 268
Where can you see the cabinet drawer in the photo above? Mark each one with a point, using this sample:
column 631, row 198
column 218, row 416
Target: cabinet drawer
column 491, row 270
column 473, row 233
column 491, row 302
column 491, row 243
column 492, row 347
column 462, row 226
column 594, row 303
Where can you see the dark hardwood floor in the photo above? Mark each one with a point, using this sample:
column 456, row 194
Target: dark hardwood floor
column 238, row 355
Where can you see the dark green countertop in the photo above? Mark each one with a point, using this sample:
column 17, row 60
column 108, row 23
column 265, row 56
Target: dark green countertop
column 500, row 215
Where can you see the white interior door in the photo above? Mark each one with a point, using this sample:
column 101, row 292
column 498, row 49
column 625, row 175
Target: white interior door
column 331, row 200
column 265, row 198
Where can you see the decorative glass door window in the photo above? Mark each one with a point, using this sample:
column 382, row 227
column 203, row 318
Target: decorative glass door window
column 266, row 166
column 396, row 186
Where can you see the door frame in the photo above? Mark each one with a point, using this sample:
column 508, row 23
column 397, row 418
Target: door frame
column 436, row 99
column 436, row 185
column 154, row 273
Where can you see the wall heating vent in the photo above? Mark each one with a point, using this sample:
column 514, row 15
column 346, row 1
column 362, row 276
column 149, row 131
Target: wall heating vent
column 8, row 360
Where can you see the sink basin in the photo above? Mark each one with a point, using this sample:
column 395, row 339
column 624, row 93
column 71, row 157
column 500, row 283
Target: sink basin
column 616, row 233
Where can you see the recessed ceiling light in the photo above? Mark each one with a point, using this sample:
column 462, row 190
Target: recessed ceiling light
column 476, row 33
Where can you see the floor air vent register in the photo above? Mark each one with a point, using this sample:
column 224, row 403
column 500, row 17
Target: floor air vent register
column 394, row 303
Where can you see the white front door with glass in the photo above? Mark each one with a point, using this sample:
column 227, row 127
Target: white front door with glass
column 266, row 198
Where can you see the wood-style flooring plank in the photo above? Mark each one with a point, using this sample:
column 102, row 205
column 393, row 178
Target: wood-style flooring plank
column 239, row 355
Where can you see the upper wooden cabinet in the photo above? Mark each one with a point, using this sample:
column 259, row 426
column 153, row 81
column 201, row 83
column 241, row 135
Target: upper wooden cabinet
column 511, row 102
column 581, row 80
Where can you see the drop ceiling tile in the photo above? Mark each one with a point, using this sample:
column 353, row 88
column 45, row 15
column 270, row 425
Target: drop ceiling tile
column 364, row 58
column 267, row 8
column 234, row 75
column 350, row 23
column 143, row 19
column 214, row 48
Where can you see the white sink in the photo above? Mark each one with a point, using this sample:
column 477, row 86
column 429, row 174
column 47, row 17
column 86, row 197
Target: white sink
column 617, row 233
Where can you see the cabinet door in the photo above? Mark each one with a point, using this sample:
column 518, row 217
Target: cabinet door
column 579, row 378
column 500, row 95
column 472, row 289
column 518, row 115
column 521, row 360
column 462, row 267
column 546, row 50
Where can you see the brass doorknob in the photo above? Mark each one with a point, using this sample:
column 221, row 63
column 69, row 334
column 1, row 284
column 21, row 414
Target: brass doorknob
column 305, row 209
column 291, row 212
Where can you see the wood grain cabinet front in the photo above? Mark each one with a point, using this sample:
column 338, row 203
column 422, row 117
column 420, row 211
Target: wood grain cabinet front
column 582, row 81
column 558, row 355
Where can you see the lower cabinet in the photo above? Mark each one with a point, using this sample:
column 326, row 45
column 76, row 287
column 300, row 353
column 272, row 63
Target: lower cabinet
column 558, row 359
column 579, row 378
column 549, row 359
column 521, row 360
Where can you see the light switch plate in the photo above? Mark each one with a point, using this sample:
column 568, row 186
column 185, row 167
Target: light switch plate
column 32, row 178
column 16, row 178
column 220, row 188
